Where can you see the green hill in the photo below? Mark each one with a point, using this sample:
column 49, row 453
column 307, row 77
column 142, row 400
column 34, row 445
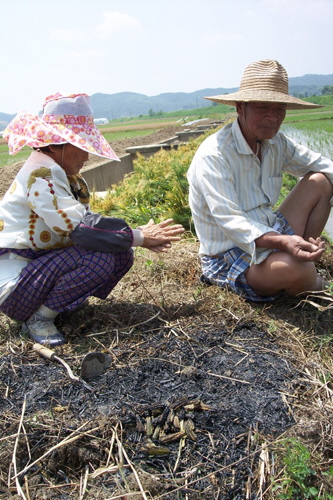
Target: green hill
column 130, row 104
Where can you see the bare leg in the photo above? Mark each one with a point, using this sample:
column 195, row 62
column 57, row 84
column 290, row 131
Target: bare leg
column 307, row 207
column 281, row 272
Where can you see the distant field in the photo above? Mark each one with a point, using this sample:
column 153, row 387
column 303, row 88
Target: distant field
column 138, row 124
column 133, row 129
column 317, row 119
column 111, row 132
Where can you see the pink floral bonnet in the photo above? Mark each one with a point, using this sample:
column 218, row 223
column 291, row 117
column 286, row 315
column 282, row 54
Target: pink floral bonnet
column 66, row 118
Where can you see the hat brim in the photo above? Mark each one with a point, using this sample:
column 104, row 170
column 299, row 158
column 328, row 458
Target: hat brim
column 291, row 102
column 29, row 130
column 89, row 139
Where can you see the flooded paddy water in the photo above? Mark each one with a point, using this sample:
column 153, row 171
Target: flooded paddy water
column 317, row 140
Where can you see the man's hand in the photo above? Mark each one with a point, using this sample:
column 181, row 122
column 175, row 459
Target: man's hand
column 304, row 250
column 158, row 237
column 295, row 245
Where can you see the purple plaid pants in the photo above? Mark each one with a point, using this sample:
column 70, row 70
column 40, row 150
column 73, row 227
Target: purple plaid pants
column 62, row 279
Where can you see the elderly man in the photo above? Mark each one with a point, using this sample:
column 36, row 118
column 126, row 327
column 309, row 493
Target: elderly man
column 235, row 180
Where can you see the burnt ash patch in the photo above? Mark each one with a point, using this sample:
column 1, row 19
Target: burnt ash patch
column 192, row 405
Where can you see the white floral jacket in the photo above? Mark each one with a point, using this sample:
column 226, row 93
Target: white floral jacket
column 44, row 209
column 39, row 210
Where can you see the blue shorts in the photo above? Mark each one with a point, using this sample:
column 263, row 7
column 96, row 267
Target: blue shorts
column 228, row 270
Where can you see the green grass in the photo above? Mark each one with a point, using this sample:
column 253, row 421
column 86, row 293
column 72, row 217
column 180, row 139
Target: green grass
column 126, row 134
column 313, row 135
column 320, row 118
column 313, row 124
column 311, row 120
column 6, row 159
column 144, row 119
column 323, row 100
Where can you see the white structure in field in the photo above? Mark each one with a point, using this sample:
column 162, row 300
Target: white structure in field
column 101, row 121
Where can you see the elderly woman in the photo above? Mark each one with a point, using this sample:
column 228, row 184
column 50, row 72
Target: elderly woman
column 54, row 252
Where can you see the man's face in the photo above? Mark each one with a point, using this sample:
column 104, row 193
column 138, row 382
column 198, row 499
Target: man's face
column 260, row 120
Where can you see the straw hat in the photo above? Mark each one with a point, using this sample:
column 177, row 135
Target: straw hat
column 66, row 118
column 264, row 81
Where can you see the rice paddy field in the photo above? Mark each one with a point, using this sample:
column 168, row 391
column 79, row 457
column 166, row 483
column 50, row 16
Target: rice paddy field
column 314, row 130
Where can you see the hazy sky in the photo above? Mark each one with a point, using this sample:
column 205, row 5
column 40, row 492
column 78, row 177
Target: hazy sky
column 153, row 46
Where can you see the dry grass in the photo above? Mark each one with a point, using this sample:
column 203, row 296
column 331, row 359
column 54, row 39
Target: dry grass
column 164, row 294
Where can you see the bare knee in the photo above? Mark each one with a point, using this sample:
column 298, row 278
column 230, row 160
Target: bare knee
column 320, row 182
column 280, row 272
column 303, row 277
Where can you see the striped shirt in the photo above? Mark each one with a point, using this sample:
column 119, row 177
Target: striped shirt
column 232, row 192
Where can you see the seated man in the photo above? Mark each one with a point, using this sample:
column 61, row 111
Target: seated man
column 235, row 180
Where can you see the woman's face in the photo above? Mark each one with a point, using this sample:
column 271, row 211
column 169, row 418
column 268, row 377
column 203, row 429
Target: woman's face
column 70, row 158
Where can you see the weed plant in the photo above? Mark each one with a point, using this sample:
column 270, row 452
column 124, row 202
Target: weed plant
column 298, row 478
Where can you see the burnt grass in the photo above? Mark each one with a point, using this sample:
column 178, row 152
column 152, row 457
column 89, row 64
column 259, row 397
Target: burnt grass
column 201, row 385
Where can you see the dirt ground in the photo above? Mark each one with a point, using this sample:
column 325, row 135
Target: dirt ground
column 201, row 386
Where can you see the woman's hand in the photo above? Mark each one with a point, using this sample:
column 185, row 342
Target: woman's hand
column 158, row 237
